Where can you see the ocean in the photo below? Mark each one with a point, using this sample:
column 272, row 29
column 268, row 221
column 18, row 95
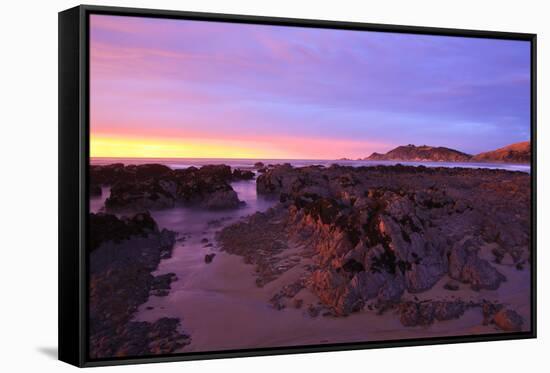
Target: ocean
column 178, row 163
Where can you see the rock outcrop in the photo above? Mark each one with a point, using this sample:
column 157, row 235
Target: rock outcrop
column 375, row 232
column 155, row 186
column 239, row 174
column 508, row 320
column 121, row 266
column 425, row 313
column 107, row 227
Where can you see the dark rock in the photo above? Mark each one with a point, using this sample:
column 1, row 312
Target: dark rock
column 216, row 173
column 160, row 292
column 107, row 227
column 160, row 285
column 467, row 267
column 259, row 238
column 425, row 313
column 95, row 190
column 107, row 174
column 445, row 310
column 224, row 198
column 489, row 310
column 279, row 299
column 508, row 320
column 242, row 174
column 209, row 257
column 155, row 186
column 313, row 311
column 409, row 314
column 149, row 194
column 451, row 285
column 124, row 254
column 375, row 232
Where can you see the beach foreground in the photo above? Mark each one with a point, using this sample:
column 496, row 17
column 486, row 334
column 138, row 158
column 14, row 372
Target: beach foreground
column 287, row 256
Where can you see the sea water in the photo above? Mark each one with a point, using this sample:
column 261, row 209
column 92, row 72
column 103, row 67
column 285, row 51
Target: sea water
column 179, row 163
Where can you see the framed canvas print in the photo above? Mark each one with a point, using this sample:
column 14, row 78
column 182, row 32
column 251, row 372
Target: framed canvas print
column 237, row 185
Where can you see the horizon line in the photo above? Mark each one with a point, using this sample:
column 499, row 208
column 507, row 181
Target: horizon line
column 206, row 158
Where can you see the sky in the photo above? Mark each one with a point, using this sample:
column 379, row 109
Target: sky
column 176, row 88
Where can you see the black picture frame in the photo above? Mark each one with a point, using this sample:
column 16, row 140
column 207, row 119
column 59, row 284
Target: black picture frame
column 73, row 185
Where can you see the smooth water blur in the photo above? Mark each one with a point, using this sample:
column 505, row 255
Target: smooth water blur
column 178, row 163
column 197, row 220
column 97, row 202
column 191, row 220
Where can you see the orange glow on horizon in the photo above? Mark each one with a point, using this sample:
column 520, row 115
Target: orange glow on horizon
column 113, row 146
column 120, row 147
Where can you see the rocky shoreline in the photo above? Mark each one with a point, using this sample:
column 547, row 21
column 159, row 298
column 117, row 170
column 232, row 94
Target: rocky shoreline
column 123, row 254
column 376, row 239
column 363, row 238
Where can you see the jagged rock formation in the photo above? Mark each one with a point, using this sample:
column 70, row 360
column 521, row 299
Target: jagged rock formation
column 421, row 154
column 515, row 153
column 373, row 233
column 155, row 186
column 123, row 255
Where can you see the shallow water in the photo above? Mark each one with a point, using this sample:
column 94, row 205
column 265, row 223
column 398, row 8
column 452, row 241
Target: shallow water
column 188, row 220
column 97, row 203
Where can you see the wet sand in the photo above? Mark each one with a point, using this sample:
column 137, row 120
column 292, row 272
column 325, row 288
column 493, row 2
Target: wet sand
column 222, row 308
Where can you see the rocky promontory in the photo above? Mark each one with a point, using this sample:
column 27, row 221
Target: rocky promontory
column 365, row 237
column 515, row 153
column 422, row 153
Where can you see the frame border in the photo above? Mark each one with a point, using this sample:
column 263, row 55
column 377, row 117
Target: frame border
column 73, row 268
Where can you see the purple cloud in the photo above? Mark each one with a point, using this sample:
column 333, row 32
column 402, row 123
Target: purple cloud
column 176, row 76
